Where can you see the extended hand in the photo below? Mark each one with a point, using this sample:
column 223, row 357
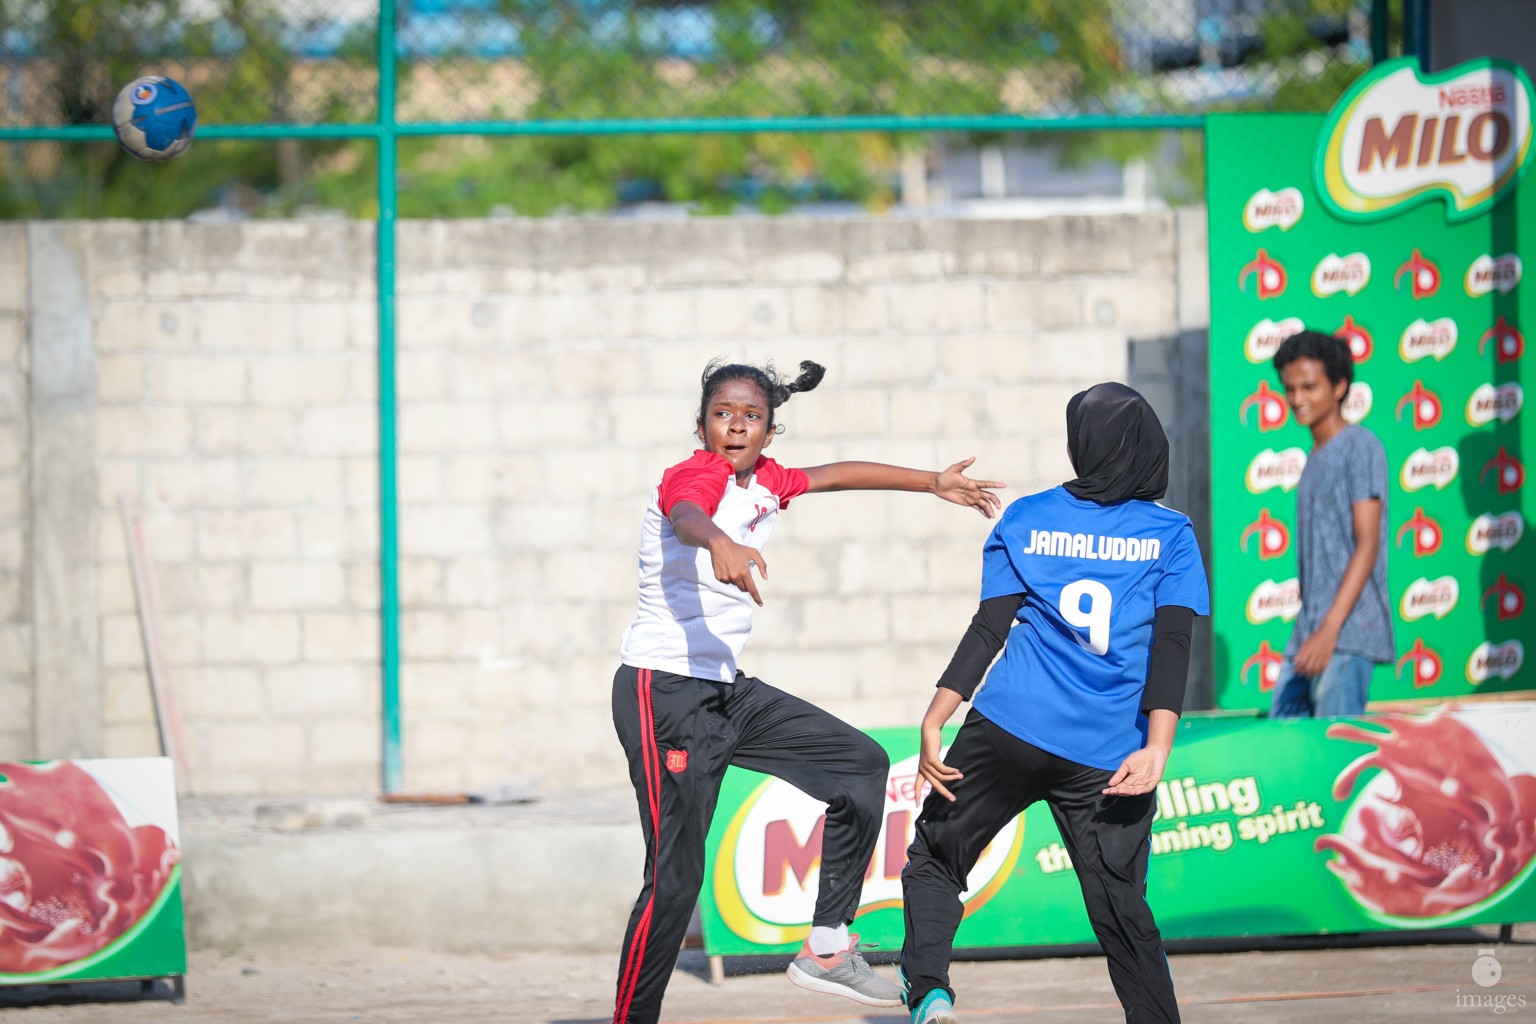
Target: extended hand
column 1140, row 773
column 953, row 485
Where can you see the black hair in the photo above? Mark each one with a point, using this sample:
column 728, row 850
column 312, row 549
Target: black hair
column 1338, row 362
column 765, row 378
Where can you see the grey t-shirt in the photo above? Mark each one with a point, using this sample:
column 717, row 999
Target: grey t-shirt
column 1350, row 467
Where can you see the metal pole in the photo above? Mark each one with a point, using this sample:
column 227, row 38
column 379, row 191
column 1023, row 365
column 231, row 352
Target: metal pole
column 1416, row 31
column 389, row 589
column 1381, row 17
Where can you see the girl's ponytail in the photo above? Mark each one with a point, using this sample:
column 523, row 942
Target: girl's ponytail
column 810, row 376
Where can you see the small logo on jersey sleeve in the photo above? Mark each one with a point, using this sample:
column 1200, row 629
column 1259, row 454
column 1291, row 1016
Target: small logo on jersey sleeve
column 677, row 761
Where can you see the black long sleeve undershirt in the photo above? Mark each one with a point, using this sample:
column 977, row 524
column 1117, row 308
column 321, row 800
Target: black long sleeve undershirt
column 984, row 637
column 1167, row 666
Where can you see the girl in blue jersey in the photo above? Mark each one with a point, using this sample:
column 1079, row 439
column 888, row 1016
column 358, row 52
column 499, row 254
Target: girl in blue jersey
column 685, row 712
column 1090, row 590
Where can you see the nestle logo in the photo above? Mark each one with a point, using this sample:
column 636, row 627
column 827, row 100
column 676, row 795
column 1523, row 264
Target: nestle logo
column 1480, row 97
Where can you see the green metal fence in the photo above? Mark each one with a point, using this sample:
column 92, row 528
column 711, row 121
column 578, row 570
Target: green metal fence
column 327, row 71
column 522, row 66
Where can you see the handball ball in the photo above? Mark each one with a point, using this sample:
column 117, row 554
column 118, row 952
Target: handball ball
column 154, row 118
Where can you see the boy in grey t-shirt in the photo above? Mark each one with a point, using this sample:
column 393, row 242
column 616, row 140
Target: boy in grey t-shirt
column 1345, row 625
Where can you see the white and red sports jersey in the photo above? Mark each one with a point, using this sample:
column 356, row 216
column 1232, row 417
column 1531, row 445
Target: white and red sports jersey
column 688, row 622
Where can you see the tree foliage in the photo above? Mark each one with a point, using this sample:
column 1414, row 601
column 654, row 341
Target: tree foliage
column 258, row 61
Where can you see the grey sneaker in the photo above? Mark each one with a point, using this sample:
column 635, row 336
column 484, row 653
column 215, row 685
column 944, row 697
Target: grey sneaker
column 843, row 974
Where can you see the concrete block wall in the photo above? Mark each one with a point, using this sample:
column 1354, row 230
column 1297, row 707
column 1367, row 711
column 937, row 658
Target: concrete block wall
column 16, row 685
column 547, row 374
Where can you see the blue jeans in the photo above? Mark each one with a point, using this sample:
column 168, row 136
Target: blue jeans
column 1340, row 689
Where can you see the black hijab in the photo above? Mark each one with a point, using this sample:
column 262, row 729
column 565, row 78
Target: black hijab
column 1117, row 446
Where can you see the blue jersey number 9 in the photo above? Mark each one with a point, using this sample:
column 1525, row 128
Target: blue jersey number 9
column 1094, row 618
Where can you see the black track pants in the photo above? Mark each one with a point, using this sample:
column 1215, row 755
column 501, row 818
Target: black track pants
column 1106, row 837
column 680, row 734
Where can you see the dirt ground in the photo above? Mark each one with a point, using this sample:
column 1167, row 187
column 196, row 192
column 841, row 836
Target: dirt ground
column 1289, row 983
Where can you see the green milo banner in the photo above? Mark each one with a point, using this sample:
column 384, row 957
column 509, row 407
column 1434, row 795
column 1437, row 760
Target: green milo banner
column 1282, row 827
column 90, row 871
column 1398, row 222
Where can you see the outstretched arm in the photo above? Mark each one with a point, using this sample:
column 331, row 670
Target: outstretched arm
column 950, row 484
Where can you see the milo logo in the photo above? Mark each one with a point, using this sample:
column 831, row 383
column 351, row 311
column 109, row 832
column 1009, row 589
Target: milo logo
column 1426, row 597
column 1489, row 403
column 1489, row 661
column 1425, row 468
column 1428, row 338
column 1266, row 209
column 1270, row 469
column 769, row 863
column 1264, row 340
column 1398, row 137
column 1357, row 402
column 1488, row 274
column 1271, row 600
column 1490, row 531
column 1335, row 273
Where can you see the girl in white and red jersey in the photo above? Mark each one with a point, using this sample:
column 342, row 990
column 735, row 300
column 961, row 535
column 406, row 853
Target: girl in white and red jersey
column 685, row 712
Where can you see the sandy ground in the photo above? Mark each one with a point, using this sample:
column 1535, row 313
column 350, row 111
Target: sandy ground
column 1359, row 983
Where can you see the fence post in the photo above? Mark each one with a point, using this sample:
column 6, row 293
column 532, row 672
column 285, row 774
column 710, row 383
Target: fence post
column 1416, row 31
column 1381, row 23
column 384, row 239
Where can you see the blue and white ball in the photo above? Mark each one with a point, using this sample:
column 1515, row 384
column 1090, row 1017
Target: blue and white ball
column 154, row 118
